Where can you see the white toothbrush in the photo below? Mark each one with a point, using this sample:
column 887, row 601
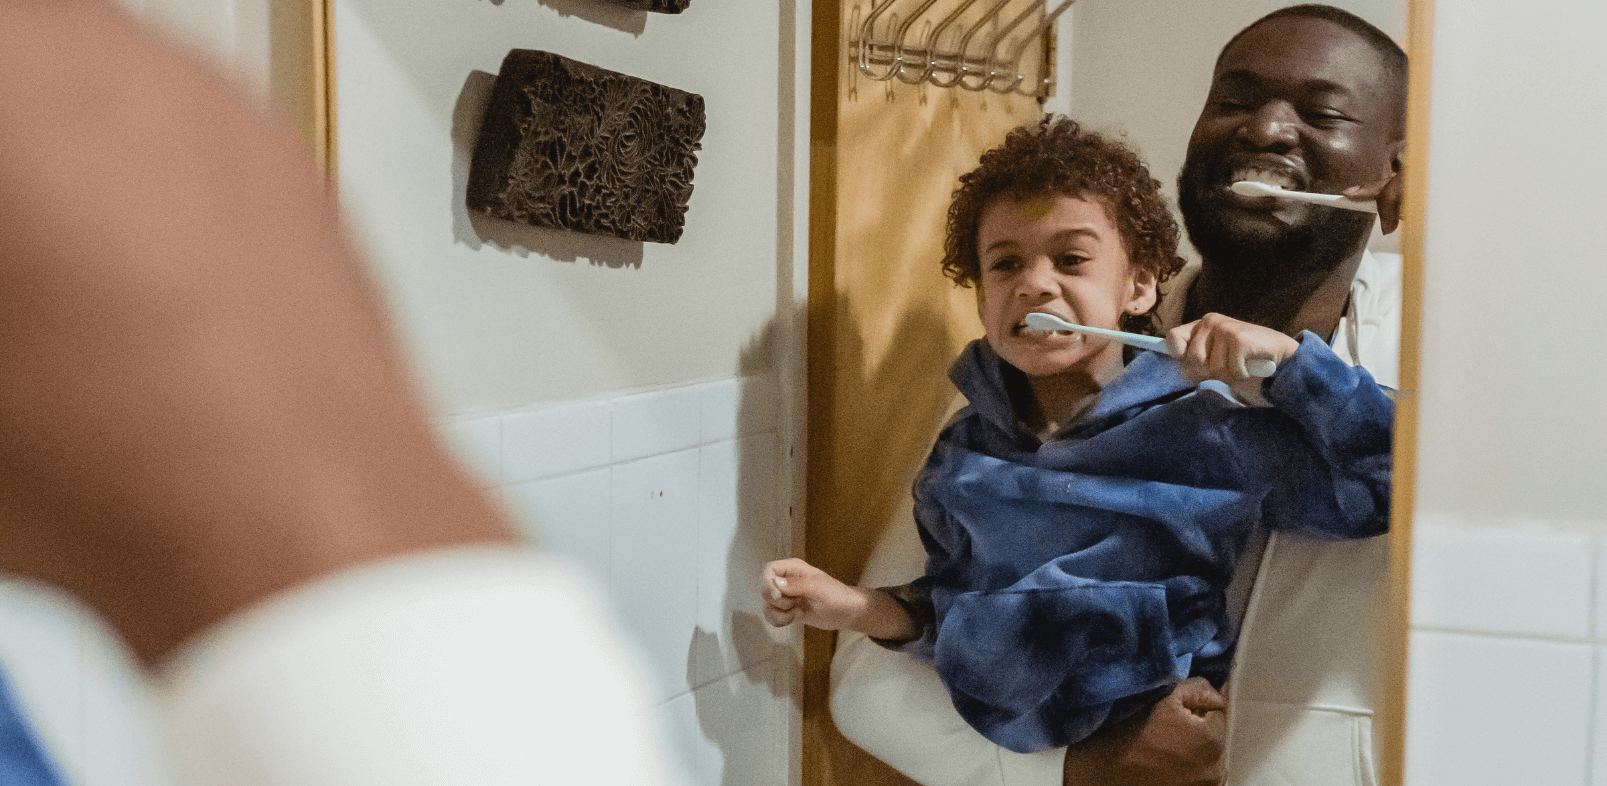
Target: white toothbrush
column 1251, row 188
column 1037, row 320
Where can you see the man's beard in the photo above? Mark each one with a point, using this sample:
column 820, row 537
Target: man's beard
column 1309, row 249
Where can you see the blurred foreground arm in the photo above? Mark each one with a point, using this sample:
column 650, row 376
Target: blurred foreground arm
column 201, row 403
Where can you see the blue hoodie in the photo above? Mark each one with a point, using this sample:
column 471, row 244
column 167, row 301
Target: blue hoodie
column 22, row 758
column 1077, row 580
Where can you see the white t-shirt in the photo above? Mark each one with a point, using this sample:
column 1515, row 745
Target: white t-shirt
column 471, row 667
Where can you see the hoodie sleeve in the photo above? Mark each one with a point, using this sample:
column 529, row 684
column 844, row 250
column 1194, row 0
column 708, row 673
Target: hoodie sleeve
column 1052, row 658
column 1324, row 448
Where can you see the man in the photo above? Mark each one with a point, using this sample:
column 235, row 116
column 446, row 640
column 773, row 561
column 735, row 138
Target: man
column 1310, row 98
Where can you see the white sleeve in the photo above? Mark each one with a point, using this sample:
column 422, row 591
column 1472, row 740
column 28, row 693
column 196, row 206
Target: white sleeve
column 896, row 708
column 473, row 666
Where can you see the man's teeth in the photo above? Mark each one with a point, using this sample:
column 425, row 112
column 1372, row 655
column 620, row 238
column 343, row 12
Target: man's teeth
column 1271, row 178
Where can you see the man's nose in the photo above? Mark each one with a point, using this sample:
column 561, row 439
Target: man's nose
column 1275, row 125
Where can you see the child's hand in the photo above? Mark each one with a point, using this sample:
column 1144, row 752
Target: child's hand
column 795, row 591
column 1217, row 347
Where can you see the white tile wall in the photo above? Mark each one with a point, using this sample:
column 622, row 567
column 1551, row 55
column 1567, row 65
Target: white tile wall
column 1506, row 680
column 673, row 499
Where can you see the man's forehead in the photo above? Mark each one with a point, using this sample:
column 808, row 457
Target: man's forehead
column 1315, row 53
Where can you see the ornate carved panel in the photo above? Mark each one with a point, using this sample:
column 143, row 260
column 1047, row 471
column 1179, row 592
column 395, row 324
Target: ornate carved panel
column 661, row 6
column 573, row 146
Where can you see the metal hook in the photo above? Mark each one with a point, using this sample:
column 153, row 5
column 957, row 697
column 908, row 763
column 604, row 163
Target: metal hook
column 1021, row 48
column 866, row 37
column 963, row 68
column 990, row 69
column 993, row 51
column 898, row 42
column 936, row 37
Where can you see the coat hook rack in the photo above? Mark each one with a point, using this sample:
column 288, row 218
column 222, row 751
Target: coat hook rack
column 969, row 47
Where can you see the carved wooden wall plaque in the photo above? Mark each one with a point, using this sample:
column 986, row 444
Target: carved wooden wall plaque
column 661, row 6
column 573, row 146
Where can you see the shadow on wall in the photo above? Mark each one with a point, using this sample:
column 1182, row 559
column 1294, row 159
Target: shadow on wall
column 618, row 17
column 474, row 230
column 885, row 414
column 741, row 675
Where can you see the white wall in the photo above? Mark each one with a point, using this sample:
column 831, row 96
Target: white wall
column 503, row 315
column 638, row 406
column 1509, row 615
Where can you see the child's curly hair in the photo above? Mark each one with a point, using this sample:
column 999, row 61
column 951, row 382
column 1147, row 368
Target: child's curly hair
column 1057, row 157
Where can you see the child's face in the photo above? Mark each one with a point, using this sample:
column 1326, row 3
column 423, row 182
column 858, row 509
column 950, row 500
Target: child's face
column 1060, row 255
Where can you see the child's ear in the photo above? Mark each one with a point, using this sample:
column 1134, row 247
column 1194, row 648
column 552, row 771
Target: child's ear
column 1144, row 293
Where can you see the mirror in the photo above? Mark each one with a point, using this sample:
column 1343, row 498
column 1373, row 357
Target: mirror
column 885, row 327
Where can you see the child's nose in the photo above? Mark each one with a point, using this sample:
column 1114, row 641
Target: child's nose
column 1036, row 282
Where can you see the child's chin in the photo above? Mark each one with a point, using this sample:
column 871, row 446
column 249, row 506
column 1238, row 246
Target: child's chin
column 1045, row 367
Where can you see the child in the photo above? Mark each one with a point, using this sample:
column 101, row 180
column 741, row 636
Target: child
column 1082, row 518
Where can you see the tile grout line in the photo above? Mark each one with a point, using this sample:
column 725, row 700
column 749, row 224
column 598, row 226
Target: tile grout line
column 1494, row 634
column 1593, row 719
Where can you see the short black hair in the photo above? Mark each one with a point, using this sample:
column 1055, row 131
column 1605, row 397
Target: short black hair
column 1057, row 157
column 1393, row 57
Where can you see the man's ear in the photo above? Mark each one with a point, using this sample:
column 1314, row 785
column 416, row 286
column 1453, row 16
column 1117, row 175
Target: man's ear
column 1389, row 199
column 1144, row 292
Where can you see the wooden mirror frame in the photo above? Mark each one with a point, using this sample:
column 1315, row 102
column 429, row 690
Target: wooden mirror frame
column 302, row 70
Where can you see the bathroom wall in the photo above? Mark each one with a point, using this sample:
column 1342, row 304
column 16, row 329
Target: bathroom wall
column 670, row 500
column 1508, row 613
column 501, row 315
column 635, row 407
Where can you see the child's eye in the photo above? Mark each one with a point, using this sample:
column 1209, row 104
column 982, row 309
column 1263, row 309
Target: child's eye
column 1004, row 264
column 1071, row 260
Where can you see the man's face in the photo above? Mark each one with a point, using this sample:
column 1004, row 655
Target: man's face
column 1302, row 103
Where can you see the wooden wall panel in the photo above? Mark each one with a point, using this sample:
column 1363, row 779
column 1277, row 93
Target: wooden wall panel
column 884, row 323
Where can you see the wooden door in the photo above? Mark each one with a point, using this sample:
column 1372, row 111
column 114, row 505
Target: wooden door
column 884, row 323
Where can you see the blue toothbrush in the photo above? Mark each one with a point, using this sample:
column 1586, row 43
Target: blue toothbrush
column 1037, row 320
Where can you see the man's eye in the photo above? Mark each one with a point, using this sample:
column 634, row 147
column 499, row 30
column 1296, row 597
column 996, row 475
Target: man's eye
column 1325, row 119
column 1232, row 105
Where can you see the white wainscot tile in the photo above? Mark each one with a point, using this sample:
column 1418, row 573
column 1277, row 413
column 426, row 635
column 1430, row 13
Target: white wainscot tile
column 653, row 565
column 743, row 728
column 558, row 440
column 1485, row 711
column 651, row 424
column 1503, row 581
column 676, row 719
column 40, row 630
column 735, row 408
column 477, row 443
column 569, row 516
column 1599, row 737
column 1600, row 629
column 738, row 522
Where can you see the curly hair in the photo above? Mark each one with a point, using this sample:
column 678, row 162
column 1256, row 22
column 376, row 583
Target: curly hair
column 1057, row 157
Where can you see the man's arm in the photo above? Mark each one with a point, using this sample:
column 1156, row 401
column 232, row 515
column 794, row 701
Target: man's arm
column 1178, row 742
column 201, row 403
